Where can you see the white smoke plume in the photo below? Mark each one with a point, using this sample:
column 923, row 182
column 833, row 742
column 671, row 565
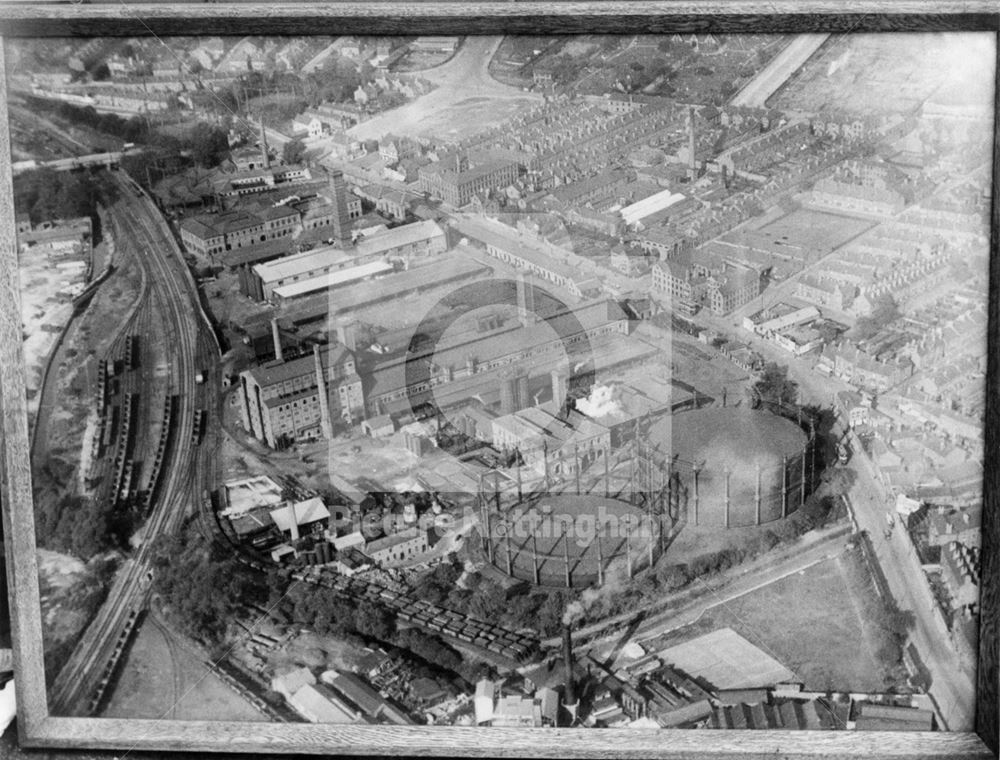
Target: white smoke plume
column 600, row 402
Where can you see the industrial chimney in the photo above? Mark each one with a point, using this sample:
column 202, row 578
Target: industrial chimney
column 692, row 160
column 559, row 388
column 341, row 217
column 324, row 401
column 276, row 337
column 263, row 146
column 570, row 699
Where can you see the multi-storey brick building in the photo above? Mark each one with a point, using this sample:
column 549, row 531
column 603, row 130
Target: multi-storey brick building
column 456, row 183
column 722, row 286
column 301, row 399
column 211, row 234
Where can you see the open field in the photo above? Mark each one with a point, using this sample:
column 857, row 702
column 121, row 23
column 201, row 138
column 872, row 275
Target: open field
column 811, row 622
column 466, row 99
column 815, row 230
column 879, row 74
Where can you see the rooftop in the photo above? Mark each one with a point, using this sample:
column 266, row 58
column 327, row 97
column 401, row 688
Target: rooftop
column 394, row 539
column 274, row 373
column 329, row 280
column 300, row 513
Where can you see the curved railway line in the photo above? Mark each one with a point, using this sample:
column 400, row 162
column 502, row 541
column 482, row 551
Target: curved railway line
column 80, row 685
column 176, row 658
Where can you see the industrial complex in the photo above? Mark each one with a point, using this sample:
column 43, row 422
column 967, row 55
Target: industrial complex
column 508, row 382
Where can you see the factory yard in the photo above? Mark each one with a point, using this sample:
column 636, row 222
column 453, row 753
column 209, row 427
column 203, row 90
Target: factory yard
column 516, row 373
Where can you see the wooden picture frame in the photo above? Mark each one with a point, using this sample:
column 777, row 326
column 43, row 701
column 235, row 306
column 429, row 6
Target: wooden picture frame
column 37, row 728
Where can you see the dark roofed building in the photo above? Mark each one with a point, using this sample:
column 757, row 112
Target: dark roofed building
column 214, row 234
column 455, row 182
column 472, row 365
column 281, row 401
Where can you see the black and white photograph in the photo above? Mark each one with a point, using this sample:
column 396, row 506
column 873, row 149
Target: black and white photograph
column 601, row 382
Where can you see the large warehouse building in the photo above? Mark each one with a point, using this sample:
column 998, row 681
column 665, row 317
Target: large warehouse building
column 305, row 273
column 453, row 371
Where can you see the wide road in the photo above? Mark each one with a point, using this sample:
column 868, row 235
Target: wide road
column 778, row 71
column 191, row 349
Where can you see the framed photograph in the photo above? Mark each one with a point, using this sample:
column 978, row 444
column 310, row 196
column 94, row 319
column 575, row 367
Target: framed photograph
column 529, row 379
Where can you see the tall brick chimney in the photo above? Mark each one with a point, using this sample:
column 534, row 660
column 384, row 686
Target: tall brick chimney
column 570, row 695
column 324, row 401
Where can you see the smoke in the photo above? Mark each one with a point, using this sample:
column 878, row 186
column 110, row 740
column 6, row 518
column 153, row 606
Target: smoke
column 614, row 583
column 600, row 402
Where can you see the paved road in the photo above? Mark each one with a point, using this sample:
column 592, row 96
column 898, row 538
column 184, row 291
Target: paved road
column 756, row 92
column 952, row 688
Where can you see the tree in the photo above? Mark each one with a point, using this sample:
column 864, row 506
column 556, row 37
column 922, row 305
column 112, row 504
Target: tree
column 774, row 385
column 203, row 584
column 374, row 620
column 488, row 601
column 550, row 613
column 208, row 143
column 885, row 311
column 293, row 151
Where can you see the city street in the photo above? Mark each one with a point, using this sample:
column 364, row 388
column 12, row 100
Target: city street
column 952, row 688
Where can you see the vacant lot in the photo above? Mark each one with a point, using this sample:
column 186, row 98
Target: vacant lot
column 891, row 74
column 815, row 230
column 162, row 678
column 811, row 622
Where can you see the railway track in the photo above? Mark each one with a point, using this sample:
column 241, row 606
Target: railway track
column 79, row 686
column 462, row 629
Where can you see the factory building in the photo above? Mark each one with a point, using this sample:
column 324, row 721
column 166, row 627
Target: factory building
column 486, row 364
column 456, row 182
column 307, row 272
column 550, row 442
column 214, row 234
column 721, row 285
column 301, row 399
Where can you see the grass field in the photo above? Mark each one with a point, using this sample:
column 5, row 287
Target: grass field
column 811, row 622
